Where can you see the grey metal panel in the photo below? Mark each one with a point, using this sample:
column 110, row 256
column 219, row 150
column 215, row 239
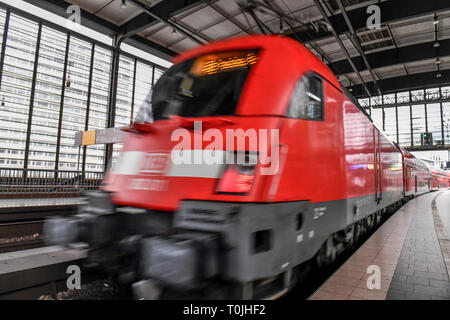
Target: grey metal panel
column 109, row 135
column 78, row 138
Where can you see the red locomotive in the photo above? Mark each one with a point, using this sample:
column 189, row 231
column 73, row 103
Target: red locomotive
column 301, row 174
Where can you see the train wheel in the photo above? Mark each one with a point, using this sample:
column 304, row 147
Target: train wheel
column 356, row 235
column 327, row 253
column 378, row 217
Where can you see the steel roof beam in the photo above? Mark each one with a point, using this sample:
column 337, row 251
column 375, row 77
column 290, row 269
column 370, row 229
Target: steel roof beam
column 339, row 41
column 357, row 44
column 93, row 22
column 391, row 11
column 88, row 20
column 416, row 52
column 409, row 82
column 150, row 47
column 224, row 14
column 187, row 33
column 164, row 9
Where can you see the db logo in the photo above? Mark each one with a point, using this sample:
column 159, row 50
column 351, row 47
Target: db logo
column 155, row 163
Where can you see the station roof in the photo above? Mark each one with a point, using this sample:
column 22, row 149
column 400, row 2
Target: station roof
column 410, row 49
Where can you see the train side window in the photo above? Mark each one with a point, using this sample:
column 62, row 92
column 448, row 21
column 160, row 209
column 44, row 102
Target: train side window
column 307, row 99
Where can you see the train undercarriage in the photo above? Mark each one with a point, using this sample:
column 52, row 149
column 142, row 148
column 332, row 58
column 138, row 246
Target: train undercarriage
column 208, row 250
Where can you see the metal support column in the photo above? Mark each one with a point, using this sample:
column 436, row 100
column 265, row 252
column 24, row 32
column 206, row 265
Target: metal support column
column 396, row 125
column 5, row 38
column 112, row 98
column 133, row 94
column 410, row 120
column 442, row 125
column 411, row 126
column 61, row 106
column 88, row 104
column 33, row 90
column 153, row 76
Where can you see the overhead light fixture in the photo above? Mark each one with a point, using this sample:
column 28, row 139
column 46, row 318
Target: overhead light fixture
column 351, row 89
column 436, row 45
column 174, row 32
column 124, row 4
column 438, row 75
column 438, row 61
column 435, row 21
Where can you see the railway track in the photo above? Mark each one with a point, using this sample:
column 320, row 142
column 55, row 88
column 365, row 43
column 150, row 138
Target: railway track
column 21, row 235
column 22, row 228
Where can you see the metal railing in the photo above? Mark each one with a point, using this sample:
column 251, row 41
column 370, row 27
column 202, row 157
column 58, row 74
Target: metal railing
column 38, row 183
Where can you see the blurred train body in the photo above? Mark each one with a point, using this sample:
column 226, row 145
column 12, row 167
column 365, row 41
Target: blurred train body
column 417, row 175
column 440, row 179
column 228, row 230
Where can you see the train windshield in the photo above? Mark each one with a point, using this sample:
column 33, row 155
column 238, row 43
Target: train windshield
column 209, row 85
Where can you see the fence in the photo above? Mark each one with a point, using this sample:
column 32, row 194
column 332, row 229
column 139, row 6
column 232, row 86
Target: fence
column 37, row 183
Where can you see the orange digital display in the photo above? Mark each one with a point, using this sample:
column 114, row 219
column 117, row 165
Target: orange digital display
column 220, row 62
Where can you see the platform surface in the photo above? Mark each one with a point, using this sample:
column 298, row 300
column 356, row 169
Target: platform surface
column 412, row 251
column 35, row 258
column 39, row 202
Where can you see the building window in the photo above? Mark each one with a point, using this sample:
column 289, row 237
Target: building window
column 404, row 126
column 124, row 91
column 390, row 123
column 16, row 86
column 434, row 122
column 143, row 85
column 377, row 117
column 418, row 123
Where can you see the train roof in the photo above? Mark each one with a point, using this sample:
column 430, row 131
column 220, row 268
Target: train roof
column 413, row 160
column 287, row 48
column 440, row 172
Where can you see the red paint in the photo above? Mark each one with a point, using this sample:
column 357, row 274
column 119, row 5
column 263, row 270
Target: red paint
column 340, row 157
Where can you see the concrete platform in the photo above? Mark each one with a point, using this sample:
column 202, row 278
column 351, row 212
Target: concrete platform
column 39, row 202
column 34, row 267
column 34, row 258
column 412, row 251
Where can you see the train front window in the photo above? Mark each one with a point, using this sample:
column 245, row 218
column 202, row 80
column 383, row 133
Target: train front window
column 209, row 85
column 307, row 99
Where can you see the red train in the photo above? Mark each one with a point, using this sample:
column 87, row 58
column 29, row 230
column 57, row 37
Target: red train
column 440, row 179
column 302, row 173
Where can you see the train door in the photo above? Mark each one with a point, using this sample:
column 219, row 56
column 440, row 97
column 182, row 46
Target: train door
column 415, row 183
column 377, row 165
